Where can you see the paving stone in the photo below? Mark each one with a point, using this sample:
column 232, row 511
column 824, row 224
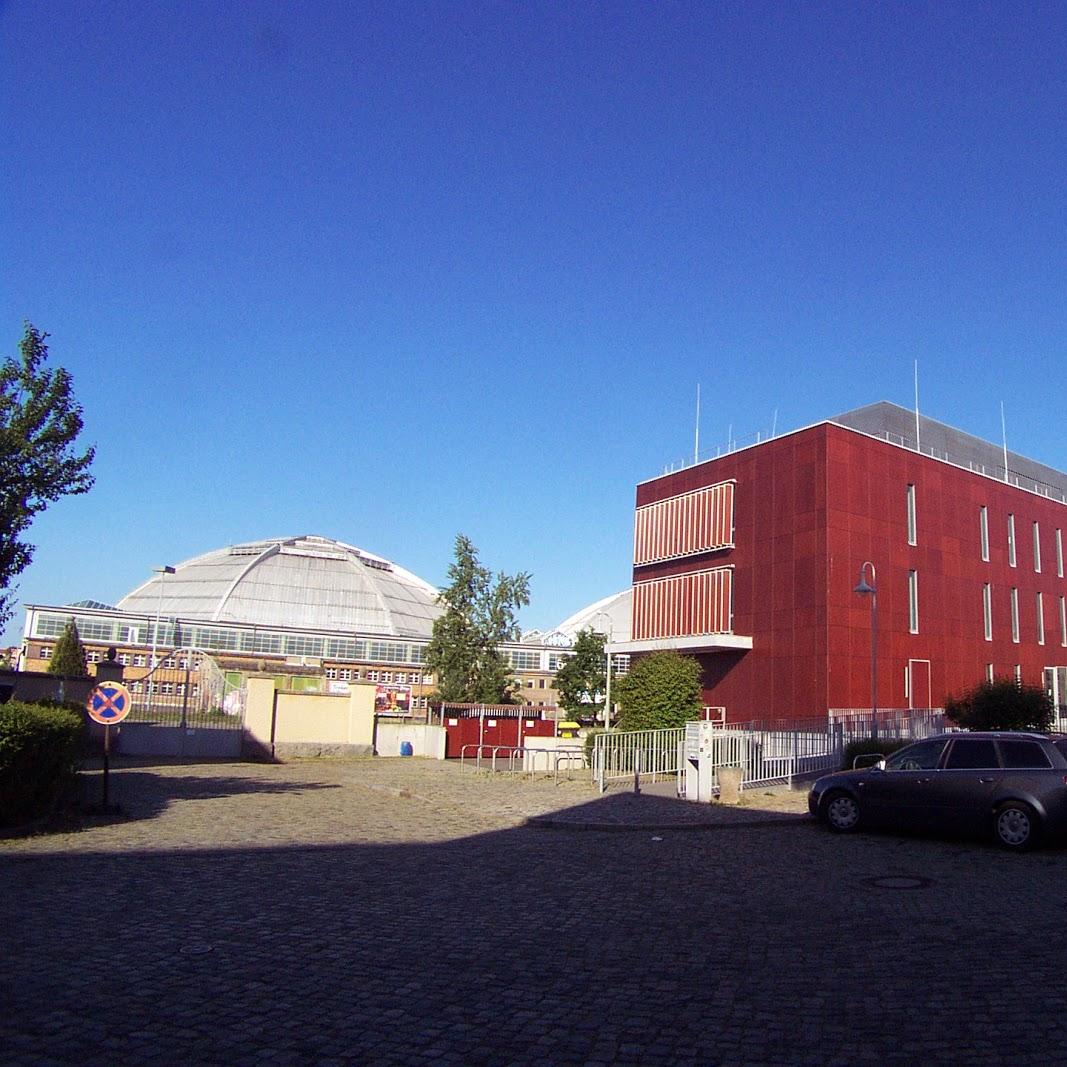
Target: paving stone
column 383, row 912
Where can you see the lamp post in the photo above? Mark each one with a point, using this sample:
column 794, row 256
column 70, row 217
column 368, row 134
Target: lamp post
column 162, row 572
column 865, row 588
column 607, row 686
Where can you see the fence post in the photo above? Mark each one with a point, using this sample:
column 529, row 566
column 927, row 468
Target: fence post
column 637, row 770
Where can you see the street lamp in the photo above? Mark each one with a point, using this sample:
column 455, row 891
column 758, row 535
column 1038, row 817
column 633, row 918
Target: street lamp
column 162, row 572
column 607, row 687
column 864, row 588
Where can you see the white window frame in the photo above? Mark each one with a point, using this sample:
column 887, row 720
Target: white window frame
column 1040, row 605
column 1012, row 560
column 989, row 672
column 1037, row 547
column 1014, row 615
column 983, row 527
column 1059, row 553
column 913, row 602
column 1018, row 672
column 987, row 610
column 1063, row 622
column 912, row 527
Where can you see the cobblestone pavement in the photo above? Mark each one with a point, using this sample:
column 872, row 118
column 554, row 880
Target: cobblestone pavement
column 399, row 912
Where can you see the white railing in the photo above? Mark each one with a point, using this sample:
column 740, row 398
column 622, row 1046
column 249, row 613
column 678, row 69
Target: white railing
column 651, row 755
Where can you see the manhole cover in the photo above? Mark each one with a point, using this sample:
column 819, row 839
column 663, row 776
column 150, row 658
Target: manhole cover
column 196, row 948
column 898, row 881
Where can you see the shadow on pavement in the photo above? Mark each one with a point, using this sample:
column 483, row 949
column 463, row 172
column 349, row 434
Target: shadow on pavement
column 142, row 794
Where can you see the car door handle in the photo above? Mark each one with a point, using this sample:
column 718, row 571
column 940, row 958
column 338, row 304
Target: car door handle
column 986, row 781
column 923, row 781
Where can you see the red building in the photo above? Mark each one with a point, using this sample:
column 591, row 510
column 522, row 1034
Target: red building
column 751, row 562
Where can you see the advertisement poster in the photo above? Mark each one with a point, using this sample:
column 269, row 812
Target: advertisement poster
column 392, row 699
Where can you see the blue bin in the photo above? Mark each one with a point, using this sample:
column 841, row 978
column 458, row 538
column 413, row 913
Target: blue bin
column 406, row 749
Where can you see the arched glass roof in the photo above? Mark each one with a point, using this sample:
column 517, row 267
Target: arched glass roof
column 307, row 582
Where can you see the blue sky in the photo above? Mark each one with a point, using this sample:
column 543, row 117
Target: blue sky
column 387, row 272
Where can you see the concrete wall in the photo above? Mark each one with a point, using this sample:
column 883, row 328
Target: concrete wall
column 308, row 724
column 30, row 687
column 425, row 740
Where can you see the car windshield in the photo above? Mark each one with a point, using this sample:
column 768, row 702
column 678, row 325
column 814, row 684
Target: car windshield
column 922, row 756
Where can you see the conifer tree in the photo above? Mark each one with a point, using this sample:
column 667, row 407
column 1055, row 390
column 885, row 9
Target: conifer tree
column 479, row 614
column 68, row 657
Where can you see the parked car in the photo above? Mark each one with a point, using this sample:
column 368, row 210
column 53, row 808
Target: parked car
column 1013, row 784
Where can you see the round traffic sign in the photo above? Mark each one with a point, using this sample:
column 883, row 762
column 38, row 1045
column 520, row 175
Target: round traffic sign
column 109, row 703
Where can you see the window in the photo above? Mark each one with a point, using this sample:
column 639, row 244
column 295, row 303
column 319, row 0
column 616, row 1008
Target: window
column 1023, row 754
column 1018, row 673
column 1059, row 553
column 1011, row 541
column 983, row 528
column 139, row 661
column 913, row 601
column 1015, row 615
column 989, row 672
column 124, row 659
column 1037, row 548
column 972, row 752
column 923, row 756
column 1063, row 621
column 912, row 538
column 345, row 674
column 92, row 657
column 372, row 676
column 987, row 610
column 44, row 652
column 1040, row 619
column 387, row 676
column 331, row 672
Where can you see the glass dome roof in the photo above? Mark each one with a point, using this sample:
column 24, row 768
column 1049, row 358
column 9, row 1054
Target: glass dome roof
column 306, row 582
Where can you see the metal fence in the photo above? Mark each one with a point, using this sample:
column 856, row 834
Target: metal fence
column 623, row 754
column 187, row 688
column 767, row 751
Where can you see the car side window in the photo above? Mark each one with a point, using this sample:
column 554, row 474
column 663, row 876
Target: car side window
column 972, row 752
column 922, row 756
column 1023, row 754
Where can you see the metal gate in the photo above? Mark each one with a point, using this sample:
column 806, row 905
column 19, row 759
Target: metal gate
column 186, row 705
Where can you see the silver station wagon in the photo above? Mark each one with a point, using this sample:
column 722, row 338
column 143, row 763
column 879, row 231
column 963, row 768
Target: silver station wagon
column 1011, row 784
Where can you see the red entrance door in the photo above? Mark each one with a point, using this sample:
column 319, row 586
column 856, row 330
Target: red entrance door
column 918, row 683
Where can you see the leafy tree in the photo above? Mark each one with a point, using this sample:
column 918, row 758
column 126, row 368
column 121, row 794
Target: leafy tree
column 581, row 680
column 479, row 614
column 39, row 422
column 1002, row 705
column 660, row 690
column 68, row 657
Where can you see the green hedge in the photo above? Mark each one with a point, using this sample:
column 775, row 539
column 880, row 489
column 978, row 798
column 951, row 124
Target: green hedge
column 39, row 750
column 869, row 746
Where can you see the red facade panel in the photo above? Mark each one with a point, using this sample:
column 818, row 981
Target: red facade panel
column 684, row 525
column 683, row 606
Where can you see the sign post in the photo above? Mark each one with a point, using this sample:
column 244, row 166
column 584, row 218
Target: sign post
column 109, row 703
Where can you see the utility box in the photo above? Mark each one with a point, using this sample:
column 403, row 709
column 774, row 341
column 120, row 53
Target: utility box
column 709, row 747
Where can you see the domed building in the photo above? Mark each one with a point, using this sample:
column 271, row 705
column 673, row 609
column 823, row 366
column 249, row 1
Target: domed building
column 306, row 582
column 314, row 612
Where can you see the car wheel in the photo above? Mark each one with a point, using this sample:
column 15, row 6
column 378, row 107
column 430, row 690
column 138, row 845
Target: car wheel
column 841, row 812
column 1016, row 826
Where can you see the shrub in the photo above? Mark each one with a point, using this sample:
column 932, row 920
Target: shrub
column 660, row 690
column 1002, row 705
column 869, row 746
column 39, row 748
